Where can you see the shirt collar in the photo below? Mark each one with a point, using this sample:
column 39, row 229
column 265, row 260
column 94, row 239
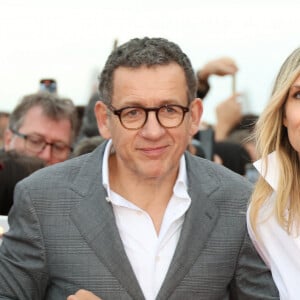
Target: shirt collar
column 180, row 187
column 105, row 168
column 270, row 174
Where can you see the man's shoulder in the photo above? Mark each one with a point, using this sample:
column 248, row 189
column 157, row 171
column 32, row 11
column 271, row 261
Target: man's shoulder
column 219, row 178
column 70, row 173
column 198, row 164
column 65, row 168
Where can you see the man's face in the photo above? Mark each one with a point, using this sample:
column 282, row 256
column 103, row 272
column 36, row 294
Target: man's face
column 151, row 152
column 40, row 127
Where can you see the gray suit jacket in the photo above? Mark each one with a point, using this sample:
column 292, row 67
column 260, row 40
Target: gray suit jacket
column 63, row 237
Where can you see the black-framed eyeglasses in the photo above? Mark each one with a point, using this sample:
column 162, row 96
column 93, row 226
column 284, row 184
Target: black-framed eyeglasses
column 135, row 117
column 36, row 143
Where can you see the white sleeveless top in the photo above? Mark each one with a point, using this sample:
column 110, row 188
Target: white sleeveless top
column 279, row 250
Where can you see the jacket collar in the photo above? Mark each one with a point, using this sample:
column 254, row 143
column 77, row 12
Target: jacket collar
column 199, row 221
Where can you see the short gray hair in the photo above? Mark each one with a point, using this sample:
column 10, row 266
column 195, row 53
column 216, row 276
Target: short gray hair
column 145, row 52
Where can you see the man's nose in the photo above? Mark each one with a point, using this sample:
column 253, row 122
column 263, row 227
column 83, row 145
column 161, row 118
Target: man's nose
column 152, row 127
column 46, row 154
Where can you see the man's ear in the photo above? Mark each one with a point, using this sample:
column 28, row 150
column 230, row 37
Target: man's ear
column 8, row 135
column 196, row 109
column 100, row 110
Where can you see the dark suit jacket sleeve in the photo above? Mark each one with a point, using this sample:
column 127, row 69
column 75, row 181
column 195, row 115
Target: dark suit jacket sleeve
column 252, row 278
column 23, row 272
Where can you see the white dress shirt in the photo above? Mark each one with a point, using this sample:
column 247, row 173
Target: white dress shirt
column 279, row 250
column 149, row 254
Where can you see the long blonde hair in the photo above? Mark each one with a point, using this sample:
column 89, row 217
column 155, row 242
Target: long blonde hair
column 271, row 135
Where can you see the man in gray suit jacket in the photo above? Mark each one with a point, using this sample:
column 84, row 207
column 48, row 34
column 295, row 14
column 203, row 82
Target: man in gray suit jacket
column 138, row 218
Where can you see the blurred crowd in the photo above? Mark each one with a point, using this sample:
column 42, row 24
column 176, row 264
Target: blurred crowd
column 45, row 129
column 124, row 200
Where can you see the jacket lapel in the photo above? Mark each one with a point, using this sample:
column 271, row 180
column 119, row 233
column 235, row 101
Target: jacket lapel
column 94, row 218
column 198, row 224
column 102, row 235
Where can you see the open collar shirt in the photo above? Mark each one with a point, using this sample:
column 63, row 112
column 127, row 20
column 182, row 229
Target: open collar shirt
column 149, row 253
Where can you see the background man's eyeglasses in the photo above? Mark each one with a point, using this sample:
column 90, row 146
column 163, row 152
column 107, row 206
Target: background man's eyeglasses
column 36, row 144
column 135, row 117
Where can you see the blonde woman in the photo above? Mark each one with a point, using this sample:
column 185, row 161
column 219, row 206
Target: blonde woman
column 274, row 211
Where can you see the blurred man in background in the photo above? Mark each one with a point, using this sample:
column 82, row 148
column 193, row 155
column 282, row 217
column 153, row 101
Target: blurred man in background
column 42, row 125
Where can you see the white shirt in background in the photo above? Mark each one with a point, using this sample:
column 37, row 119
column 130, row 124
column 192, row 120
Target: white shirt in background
column 279, row 250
